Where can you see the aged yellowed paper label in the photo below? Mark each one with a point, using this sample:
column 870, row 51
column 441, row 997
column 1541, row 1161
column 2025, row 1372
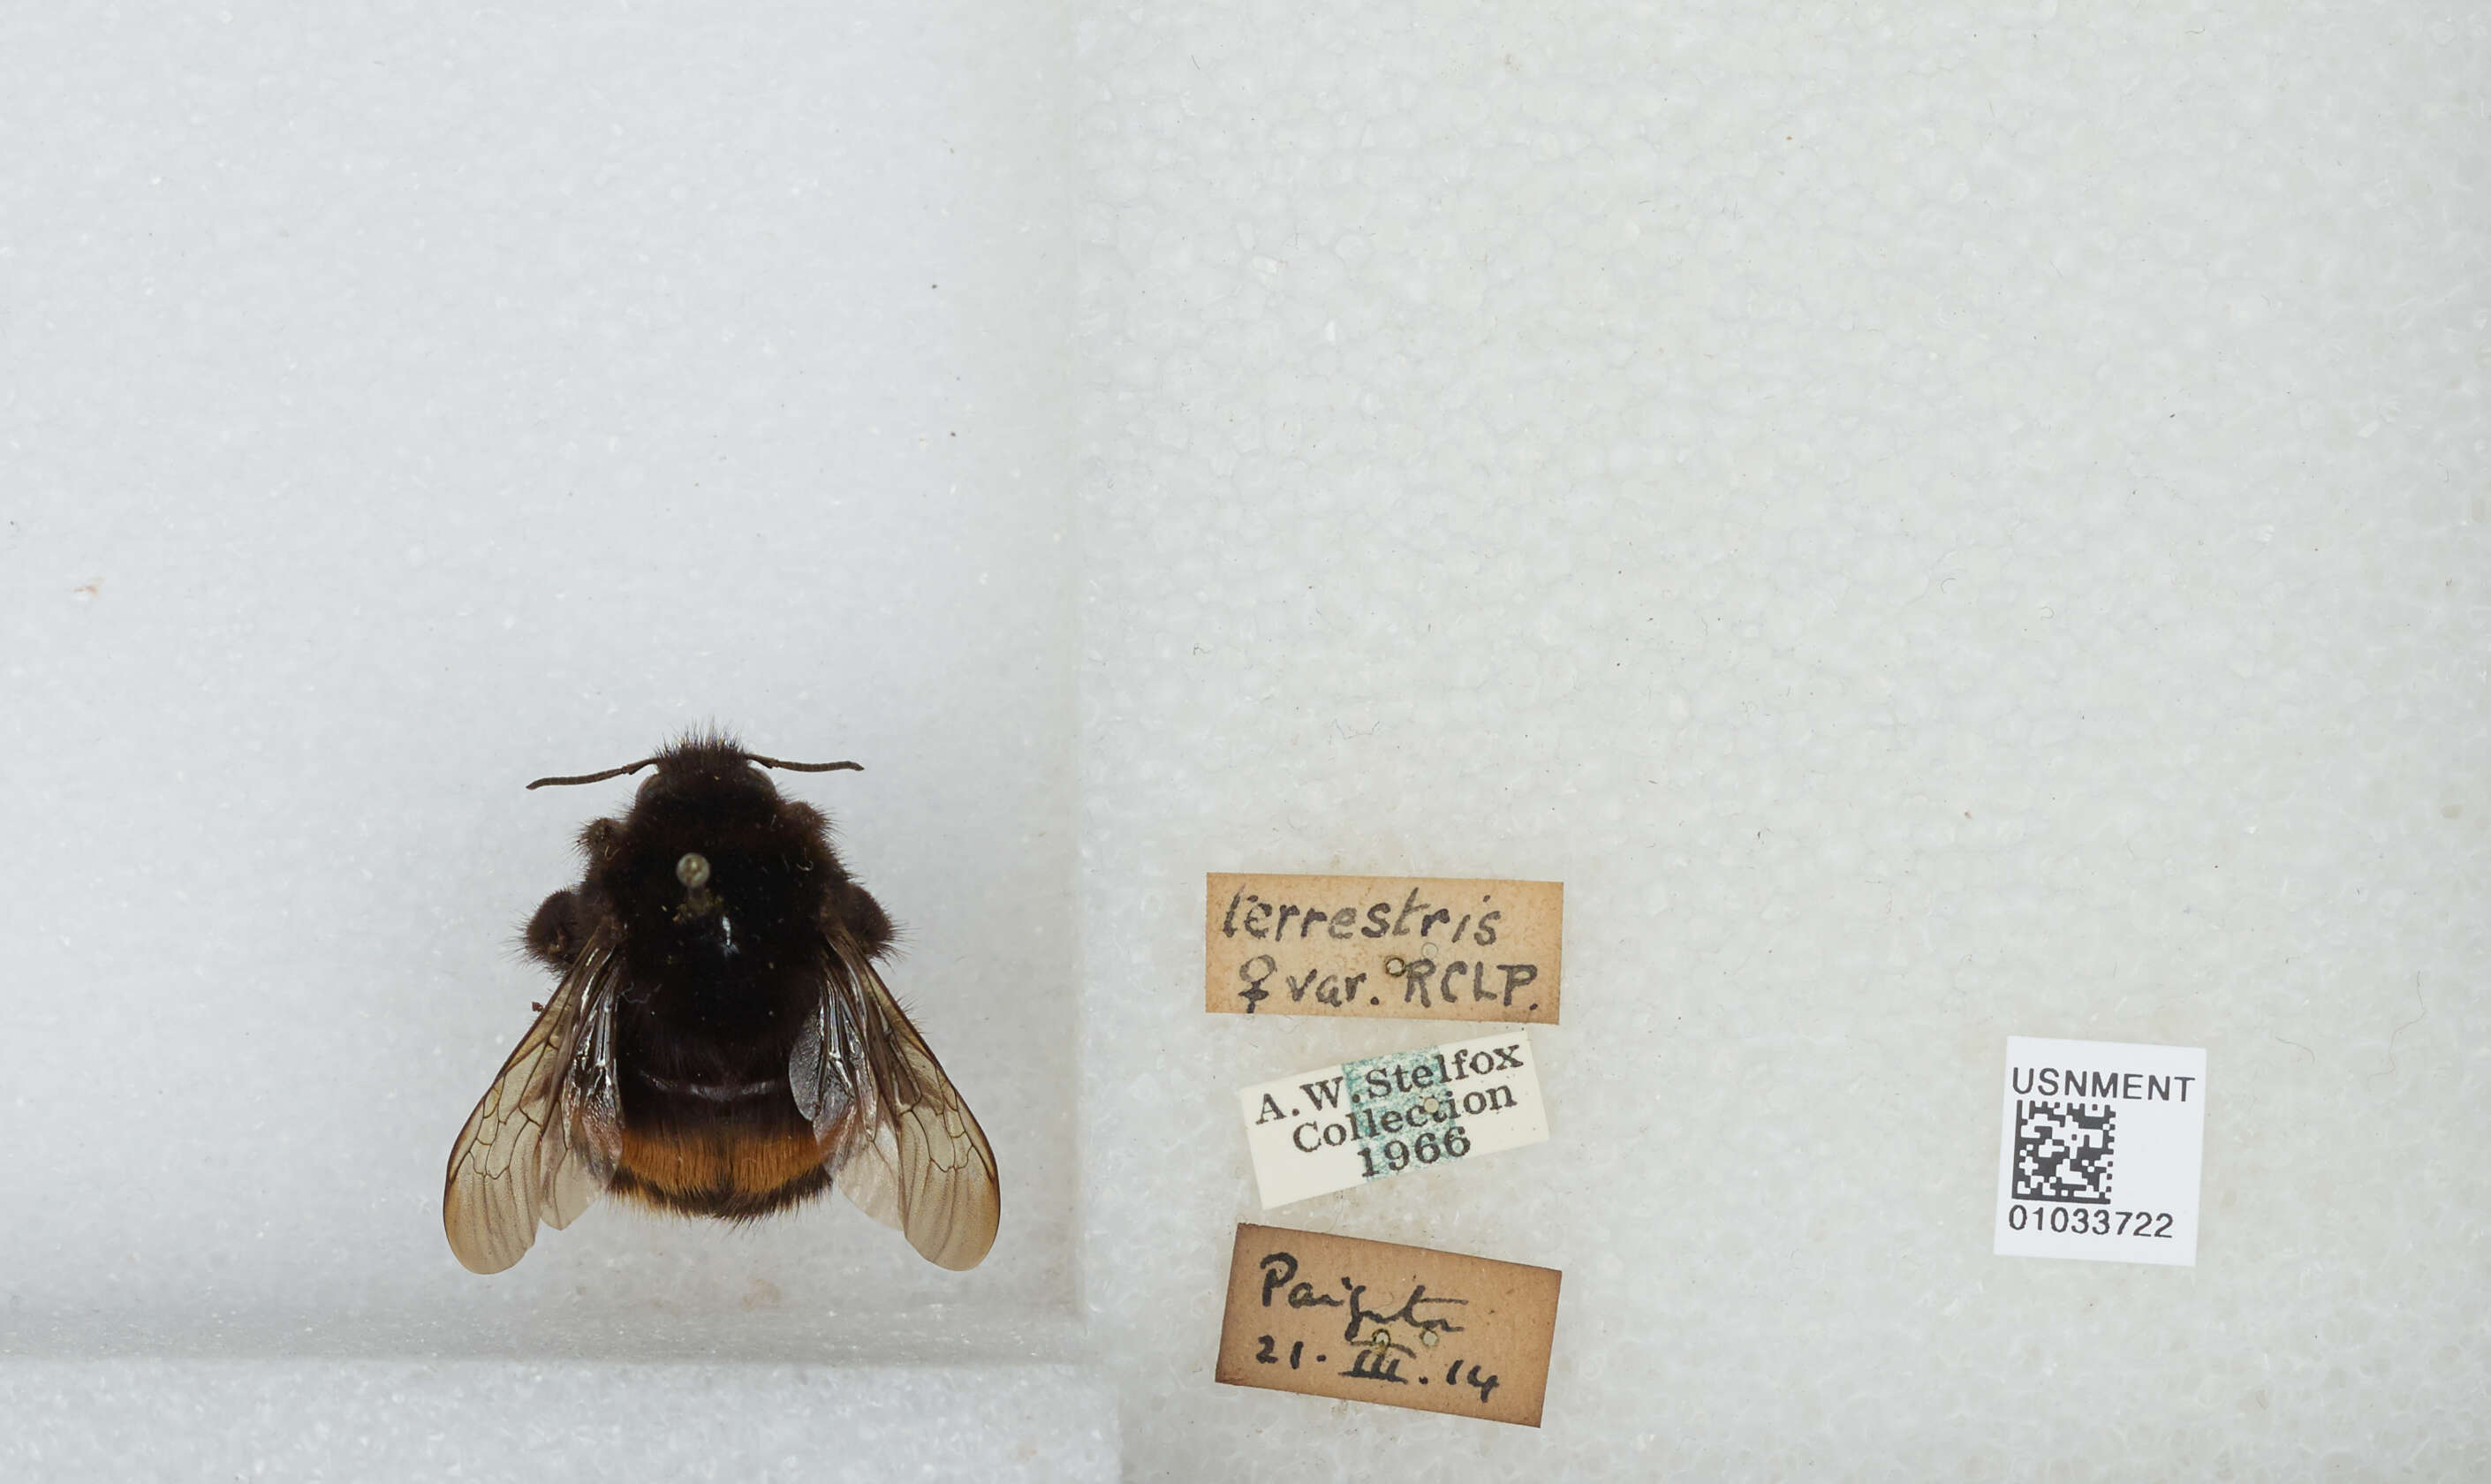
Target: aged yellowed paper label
column 1406, row 948
column 1363, row 1121
column 1378, row 1322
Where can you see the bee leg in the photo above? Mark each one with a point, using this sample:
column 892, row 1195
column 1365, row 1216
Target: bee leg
column 854, row 910
column 557, row 932
column 850, row 908
column 597, row 841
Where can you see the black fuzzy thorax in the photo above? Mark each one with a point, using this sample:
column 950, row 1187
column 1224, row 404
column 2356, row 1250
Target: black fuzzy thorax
column 714, row 997
column 714, row 982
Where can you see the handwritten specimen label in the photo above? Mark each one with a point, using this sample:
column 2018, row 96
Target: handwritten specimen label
column 1408, row 1110
column 1377, row 1322
column 1401, row 946
column 2099, row 1151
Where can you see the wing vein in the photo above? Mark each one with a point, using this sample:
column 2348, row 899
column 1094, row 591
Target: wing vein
column 543, row 1139
column 906, row 1150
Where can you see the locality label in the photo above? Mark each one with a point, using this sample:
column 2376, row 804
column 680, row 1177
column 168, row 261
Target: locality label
column 1378, row 1322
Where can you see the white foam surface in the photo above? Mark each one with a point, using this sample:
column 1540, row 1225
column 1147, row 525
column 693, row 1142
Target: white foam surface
column 1937, row 523
column 384, row 1420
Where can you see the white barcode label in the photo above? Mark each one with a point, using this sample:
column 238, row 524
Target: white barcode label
column 2102, row 1152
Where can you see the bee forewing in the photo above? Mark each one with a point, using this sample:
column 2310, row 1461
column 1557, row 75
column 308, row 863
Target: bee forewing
column 910, row 1154
column 533, row 1149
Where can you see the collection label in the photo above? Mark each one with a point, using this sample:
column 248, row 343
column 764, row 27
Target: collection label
column 1363, row 1120
column 2100, row 1152
column 1378, row 1322
column 1402, row 947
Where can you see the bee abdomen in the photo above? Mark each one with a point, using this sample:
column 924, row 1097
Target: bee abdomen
column 729, row 1171
column 720, row 1094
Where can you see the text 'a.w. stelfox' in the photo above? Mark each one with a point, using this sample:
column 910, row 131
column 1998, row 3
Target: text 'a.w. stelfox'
column 1342, row 1126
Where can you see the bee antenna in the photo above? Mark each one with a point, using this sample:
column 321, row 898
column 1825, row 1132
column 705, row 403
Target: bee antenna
column 597, row 778
column 771, row 762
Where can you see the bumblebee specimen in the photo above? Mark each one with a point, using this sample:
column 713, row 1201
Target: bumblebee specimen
column 720, row 1044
